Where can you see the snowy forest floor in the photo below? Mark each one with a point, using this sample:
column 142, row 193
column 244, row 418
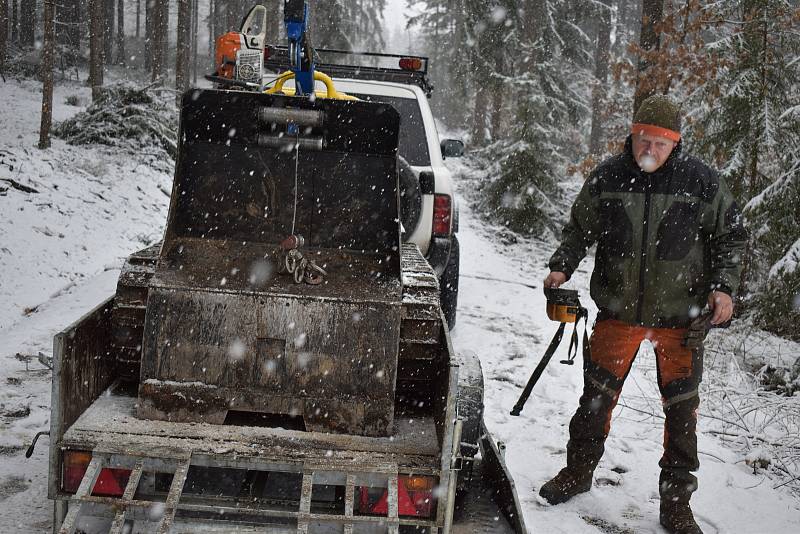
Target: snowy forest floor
column 61, row 248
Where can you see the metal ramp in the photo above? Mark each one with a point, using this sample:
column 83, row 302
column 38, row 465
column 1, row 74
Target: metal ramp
column 125, row 507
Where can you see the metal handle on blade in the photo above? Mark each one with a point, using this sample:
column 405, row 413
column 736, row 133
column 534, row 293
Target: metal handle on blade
column 537, row 373
column 289, row 143
column 302, row 117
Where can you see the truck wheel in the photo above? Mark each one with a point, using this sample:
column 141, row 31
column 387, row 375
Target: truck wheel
column 448, row 284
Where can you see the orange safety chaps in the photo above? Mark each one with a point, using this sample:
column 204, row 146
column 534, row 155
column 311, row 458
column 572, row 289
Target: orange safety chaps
column 612, row 349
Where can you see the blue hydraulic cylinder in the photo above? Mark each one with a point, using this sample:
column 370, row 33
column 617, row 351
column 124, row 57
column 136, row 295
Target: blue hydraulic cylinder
column 295, row 16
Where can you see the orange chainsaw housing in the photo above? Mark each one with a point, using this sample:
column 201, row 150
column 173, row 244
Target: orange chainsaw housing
column 225, row 53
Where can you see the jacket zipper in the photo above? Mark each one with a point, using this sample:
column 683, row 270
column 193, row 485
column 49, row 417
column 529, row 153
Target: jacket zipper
column 643, row 255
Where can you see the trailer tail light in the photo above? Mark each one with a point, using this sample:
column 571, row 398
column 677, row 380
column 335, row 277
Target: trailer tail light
column 442, row 215
column 414, row 498
column 411, row 63
column 110, row 482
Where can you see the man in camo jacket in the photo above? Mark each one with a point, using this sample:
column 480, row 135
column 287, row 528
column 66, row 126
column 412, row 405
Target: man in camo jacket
column 669, row 242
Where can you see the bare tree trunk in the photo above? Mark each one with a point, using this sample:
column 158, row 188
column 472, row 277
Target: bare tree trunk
column 138, row 18
column 158, row 45
column 121, row 59
column 497, row 111
column 68, row 28
column 96, row 59
column 183, row 48
column 195, row 29
column 652, row 14
column 27, row 23
column 601, row 75
column 479, row 119
column 149, row 12
column 533, row 17
column 48, row 54
column 211, row 33
column 3, row 34
column 14, row 21
column 108, row 30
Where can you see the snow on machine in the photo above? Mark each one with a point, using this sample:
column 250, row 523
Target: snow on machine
column 281, row 361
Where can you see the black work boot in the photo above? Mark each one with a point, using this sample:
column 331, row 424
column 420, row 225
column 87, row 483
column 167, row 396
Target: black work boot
column 565, row 485
column 677, row 518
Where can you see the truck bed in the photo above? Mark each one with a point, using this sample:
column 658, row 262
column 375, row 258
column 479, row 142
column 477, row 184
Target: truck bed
column 110, row 424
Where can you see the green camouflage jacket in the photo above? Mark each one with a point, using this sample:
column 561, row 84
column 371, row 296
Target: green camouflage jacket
column 665, row 239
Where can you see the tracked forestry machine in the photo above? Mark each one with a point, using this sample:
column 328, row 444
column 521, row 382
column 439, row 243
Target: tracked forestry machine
column 280, row 362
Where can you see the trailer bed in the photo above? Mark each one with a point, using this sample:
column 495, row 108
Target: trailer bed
column 110, row 423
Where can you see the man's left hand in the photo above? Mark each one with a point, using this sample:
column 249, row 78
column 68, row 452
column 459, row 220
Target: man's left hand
column 721, row 305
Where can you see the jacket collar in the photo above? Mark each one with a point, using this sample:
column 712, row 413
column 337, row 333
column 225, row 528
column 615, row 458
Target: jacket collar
column 668, row 165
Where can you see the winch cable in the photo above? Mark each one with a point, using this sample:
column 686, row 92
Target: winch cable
column 293, row 262
column 296, row 173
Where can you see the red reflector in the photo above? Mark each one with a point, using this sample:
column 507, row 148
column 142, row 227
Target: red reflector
column 411, row 63
column 412, row 499
column 442, row 210
column 110, row 482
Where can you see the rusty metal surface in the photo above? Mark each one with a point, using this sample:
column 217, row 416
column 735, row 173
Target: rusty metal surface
column 129, row 310
column 82, row 370
column 227, row 187
column 236, row 267
column 334, row 363
column 111, row 424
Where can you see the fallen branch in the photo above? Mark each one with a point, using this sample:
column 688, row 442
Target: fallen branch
column 16, row 185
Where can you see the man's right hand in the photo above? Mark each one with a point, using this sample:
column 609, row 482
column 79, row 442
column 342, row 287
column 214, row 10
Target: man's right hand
column 555, row 279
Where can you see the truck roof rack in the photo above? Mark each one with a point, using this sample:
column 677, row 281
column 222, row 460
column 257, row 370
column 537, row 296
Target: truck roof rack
column 369, row 65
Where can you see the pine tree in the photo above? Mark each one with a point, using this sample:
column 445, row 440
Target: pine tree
column 15, row 21
column 649, row 39
column 551, row 91
column 48, row 54
column 68, row 27
column 447, row 39
column 3, row 34
column 748, row 121
column 27, row 23
column 96, row 50
column 601, row 68
column 121, row 59
column 182, row 56
column 108, row 30
column 158, row 15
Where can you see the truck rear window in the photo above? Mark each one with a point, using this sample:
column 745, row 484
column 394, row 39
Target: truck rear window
column 413, row 144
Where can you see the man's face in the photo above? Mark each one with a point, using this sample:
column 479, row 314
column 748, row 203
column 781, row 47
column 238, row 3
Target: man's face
column 651, row 151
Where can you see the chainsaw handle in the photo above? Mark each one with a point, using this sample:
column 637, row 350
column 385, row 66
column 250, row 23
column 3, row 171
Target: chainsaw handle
column 318, row 76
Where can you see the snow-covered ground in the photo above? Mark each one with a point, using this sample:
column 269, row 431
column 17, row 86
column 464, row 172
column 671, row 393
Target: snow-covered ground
column 504, row 322
column 61, row 248
column 60, row 251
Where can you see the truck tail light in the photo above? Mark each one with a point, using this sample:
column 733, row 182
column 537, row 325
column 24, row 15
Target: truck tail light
column 411, row 63
column 414, row 498
column 442, row 215
column 110, row 482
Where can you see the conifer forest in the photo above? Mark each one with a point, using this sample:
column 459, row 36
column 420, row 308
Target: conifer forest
column 541, row 93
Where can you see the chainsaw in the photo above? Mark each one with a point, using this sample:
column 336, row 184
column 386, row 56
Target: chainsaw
column 239, row 55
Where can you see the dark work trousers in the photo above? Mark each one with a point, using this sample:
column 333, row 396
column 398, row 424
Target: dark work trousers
column 612, row 349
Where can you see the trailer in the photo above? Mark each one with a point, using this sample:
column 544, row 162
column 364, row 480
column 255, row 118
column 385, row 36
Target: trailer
column 246, row 379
